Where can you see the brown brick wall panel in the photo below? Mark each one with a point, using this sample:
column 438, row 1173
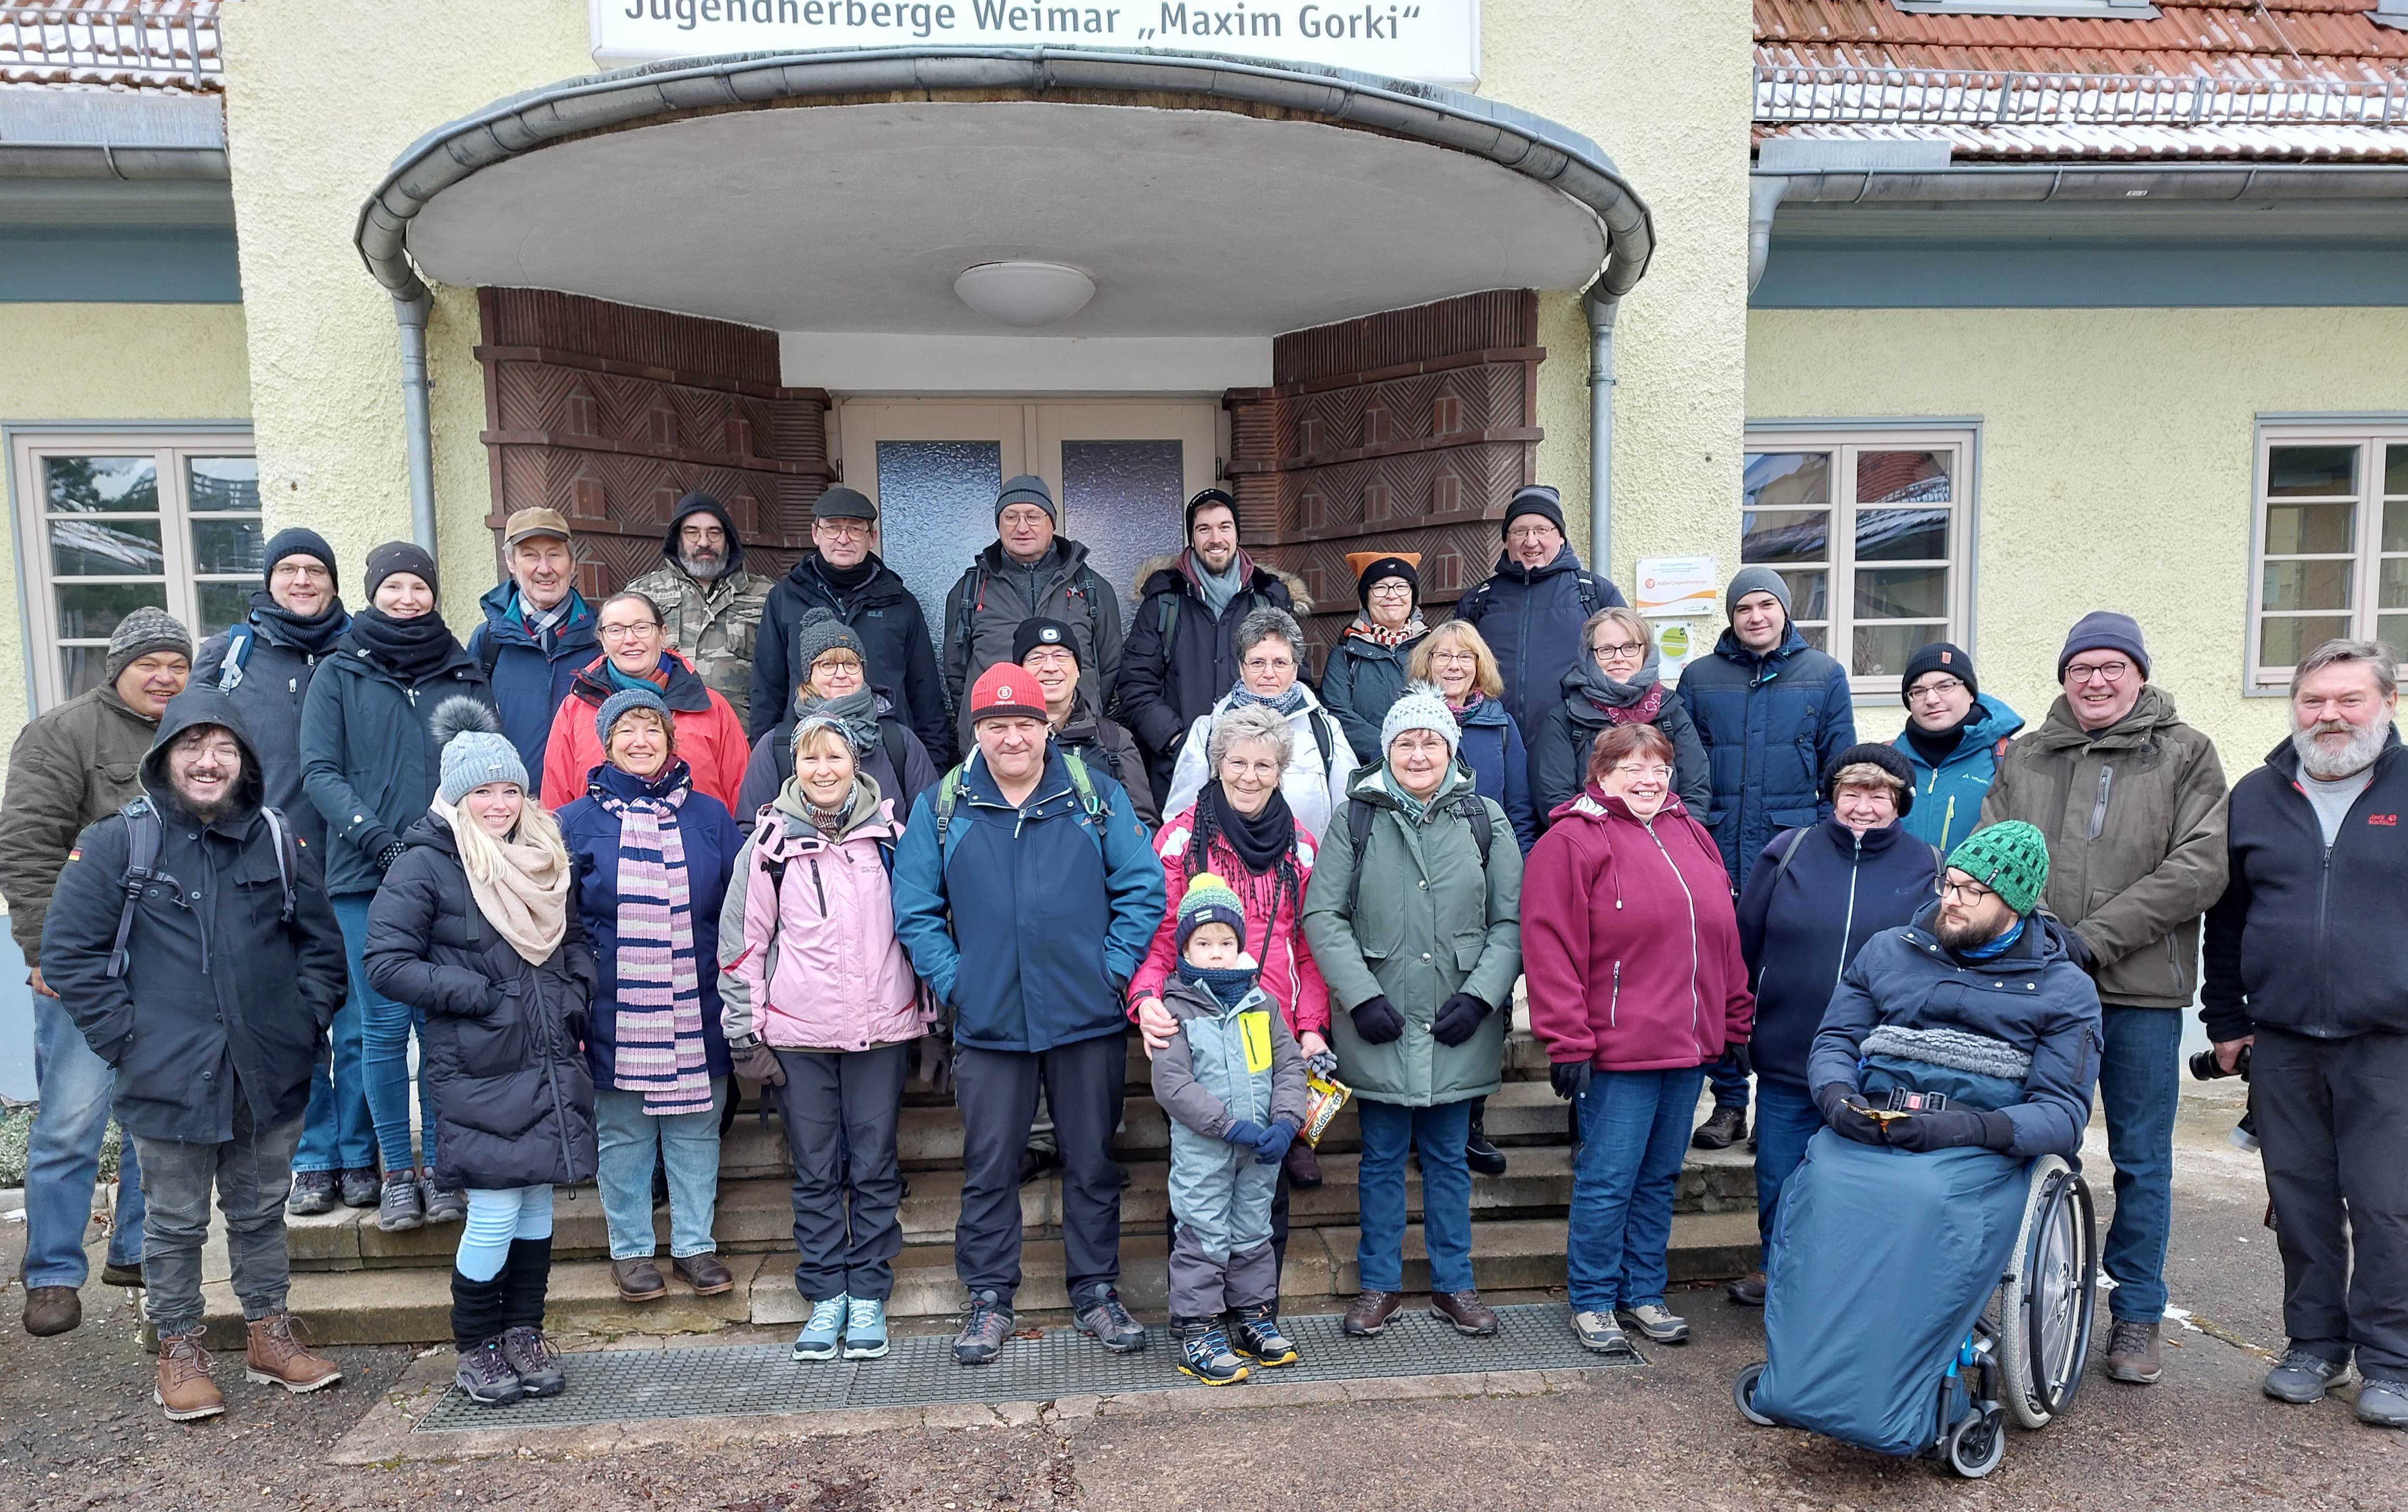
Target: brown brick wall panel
column 1498, row 317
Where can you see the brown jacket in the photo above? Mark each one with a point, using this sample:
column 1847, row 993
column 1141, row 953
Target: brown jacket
column 72, row 766
column 2134, row 816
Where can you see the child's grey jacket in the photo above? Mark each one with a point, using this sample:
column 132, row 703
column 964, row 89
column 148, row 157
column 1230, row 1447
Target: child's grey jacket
column 1225, row 1064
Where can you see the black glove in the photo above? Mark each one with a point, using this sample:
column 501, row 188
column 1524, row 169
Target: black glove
column 759, row 1063
column 1457, row 1017
column 1952, row 1129
column 385, row 858
column 1740, row 1057
column 1376, row 1021
column 1846, row 1113
column 1569, row 1078
column 2077, row 949
column 936, row 1063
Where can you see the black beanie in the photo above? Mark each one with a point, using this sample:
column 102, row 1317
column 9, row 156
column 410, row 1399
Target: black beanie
column 299, row 542
column 1387, row 567
column 1035, row 632
column 1870, row 754
column 1534, row 499
column 400, row 556
column 1209, row 497
column 1940, row 656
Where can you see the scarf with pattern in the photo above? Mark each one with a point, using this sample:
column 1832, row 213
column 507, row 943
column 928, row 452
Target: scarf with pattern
column 1290, row 701
column 1365, row 628
column 660, row 1045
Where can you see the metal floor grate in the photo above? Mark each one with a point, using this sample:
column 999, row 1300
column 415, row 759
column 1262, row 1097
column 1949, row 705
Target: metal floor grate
column 742, row 1381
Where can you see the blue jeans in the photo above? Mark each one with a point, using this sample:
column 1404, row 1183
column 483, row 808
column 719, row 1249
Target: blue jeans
column 1438, row 1132
column 335, row 1134
column 62, row 1157
column 2137, row 1086
column 1634, row 1132
column 1730, row 1088
column 497, row 1219
column 687, row 1144
column 385, row 1028
column 1786, row 1118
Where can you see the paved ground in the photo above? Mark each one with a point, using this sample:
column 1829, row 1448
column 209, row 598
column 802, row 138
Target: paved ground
column 77, row 1429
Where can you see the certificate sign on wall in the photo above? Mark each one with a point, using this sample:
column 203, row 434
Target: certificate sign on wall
column 1676, row 585
column 1431, row 41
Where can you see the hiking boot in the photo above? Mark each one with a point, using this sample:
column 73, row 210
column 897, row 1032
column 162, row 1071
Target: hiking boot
column 403, row 1205
column 1465, row 1311
column 2383, row 1404
column 823, row 1331
column 313, row 1192
column 185, row 1391
column 1725, row 1128
column 1204, row 1353
column 1482, row 1155
column 704, row 1273
column 1303, row 1167
column 1369, row 1312
column 1102, row 1318
column 359, row 1187
column 486, row 1379
column 984, row 1328
column 2132, row 1353
column 1601, row 1333
column 2302, row 1377
column 532, row 1360
column 114, row 1274
column 1748, row 1291
column 1659, row 1323
column 51, row 1310
column 275, row 1357
column 864, row 1329
column 1258, row 1334
column 444, row 1206
column 638, row 1279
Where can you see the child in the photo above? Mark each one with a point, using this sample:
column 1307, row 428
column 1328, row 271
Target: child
column 1233, row 1084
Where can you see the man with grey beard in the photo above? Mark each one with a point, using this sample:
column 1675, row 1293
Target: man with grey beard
column 2307, row 976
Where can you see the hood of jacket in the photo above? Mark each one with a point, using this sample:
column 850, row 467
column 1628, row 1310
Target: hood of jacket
column 808, row 579
column 505, row 628
column 1595, row 805
column 1186, row 1000
column 1488, row 712
column 868, row 813
column 1371, row 784
column 684, row 694
column 2041, row 944
column 200, row 704
column 699, row 503
column 1169, row 572
column 2152, row 713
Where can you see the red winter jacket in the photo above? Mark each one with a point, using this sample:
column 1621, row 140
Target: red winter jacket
column 1289, row 976
column 1629, row 940
column 709, row 738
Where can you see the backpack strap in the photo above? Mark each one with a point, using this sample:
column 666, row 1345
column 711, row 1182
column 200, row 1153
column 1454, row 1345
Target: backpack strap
column 890, row 737
column 1474, row 603
column 1166, row 616
column 1484, row 828
column 143, row 830
column 948, row 793
column 288, row 858
column 1359, row 816
column 1094, row 811
column 238, row 643
column 1789, row 852
column 1591, row 598
column 1320, row 722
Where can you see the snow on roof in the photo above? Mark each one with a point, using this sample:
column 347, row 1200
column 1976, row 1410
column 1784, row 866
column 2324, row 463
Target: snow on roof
column 141, row 46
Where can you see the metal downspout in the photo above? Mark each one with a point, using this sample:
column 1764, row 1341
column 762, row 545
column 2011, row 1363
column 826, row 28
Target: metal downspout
column 1765, row 193
column 410, row 311
column 1602, row 307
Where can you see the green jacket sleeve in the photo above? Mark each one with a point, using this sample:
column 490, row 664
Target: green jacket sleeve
column 1329, row 927
column 1500, row 961
column 40, row 819
column 2182, row 886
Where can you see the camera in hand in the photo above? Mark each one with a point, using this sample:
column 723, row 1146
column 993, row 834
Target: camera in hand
column 2204, row 1066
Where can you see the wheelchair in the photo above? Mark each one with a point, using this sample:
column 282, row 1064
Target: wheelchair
column 2024, row 1358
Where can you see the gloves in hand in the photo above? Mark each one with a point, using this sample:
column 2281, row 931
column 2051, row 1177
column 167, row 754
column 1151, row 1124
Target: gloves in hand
column 1273, row 1146
column 936, row 1063
column 1570, row 1078
column 1741, row 1058
column 1376, row 1021
column 385, row 858
column 759, row 1063
column 1457, row 1017
column 1952, row 1129
column 1846, row 1113
column 2078, row 951
column 1243, row 1132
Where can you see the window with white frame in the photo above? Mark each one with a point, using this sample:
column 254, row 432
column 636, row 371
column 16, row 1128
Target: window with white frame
column 1872, row 530
column 2332, row 542
column 107, row 524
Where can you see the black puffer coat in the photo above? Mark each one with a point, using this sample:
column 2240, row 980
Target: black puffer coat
column 513, row 1100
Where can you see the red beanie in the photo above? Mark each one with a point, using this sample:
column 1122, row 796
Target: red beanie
column 1003, row 691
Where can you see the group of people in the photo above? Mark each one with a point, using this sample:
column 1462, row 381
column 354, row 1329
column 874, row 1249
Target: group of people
column 602, row 859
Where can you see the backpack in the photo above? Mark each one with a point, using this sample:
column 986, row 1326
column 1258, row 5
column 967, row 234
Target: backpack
column 1473, row 605
column 1798, row 837
column 1359, row 815
column 1095, row 811
column 239, row 641
column 144, row 829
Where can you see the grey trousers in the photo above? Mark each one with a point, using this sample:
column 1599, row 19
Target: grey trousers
column 840, row 1112
column 996, row 1091
column 253, row 1173
column 1202, row 1287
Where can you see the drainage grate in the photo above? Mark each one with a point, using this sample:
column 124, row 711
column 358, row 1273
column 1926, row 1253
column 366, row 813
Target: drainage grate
column 742, row 1381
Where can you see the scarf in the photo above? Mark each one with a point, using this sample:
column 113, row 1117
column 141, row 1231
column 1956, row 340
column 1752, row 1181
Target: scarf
column 522, row 890
column 1991, row 950
column 851, row 580
column 1289, row 703
column 544, row 624
column 412, row 649
column 1229, row 985
column 1217, row 588
column 1378, row 634
column 1636, row 702
column 1417, row 809
column 1259, row 839
column 857, row 807
column 622, row 682
column 659, row 980
column 280, row 626
column 856, row 713
column 1470, row 702
column 1937, row 746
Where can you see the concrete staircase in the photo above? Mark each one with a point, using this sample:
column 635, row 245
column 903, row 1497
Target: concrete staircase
column 358, row 1285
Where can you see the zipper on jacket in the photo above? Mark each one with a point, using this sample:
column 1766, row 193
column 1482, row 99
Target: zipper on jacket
column 2099, row 809
column 1613, row 1003
column 2324, row 891
column 1691, row 899
column 1848, row 924
column 817, row 888
column 545, row 1035
column 1947, row 820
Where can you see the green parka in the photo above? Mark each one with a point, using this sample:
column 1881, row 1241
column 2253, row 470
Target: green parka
column 1427, row 925
column 72, row 766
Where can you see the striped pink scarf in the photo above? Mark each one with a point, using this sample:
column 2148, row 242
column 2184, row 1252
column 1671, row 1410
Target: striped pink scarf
column 660, row 1047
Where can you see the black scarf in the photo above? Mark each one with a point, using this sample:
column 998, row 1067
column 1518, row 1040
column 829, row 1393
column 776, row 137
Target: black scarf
column 851, row 580
column 280, row 626
column 1259, row 841
column 856, row 712
column 1937, row 746
column 412, row 649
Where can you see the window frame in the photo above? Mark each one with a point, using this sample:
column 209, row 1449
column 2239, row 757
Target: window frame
column 2371, row 434
column 170, row 443
column 1843, row 439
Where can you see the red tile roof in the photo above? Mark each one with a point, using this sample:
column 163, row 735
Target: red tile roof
column 2286, row 40
column 146, row 45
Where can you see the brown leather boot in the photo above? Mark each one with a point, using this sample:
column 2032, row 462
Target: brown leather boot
column 1465, row 1311
column 51, row 1310
column 2132, row 1353
column 185, row 1389
column 275, row 1358
column 638, row 1279
column 1369, row 1312
column 704, row 1273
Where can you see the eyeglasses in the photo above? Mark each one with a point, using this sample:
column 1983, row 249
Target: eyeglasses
column 1933, row 691
column 1657, row 774
column 625, row 631
column 1627, row 648
column 1963, row 892
column 842, row 529
column 1529, row 535
column 1392, row 588
column 2103, row 671
column 1455, row 658
column 1270, row 663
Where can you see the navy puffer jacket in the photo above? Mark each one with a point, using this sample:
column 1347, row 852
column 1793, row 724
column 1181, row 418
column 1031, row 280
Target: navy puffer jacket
column 1771, row 723
column 1531, row 618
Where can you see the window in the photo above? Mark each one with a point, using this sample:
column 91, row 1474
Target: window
column 2333, row 543
column 107, row 524
column 1872, row 530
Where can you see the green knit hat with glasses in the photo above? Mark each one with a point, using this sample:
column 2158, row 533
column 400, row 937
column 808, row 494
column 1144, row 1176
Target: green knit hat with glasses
column 2009, row 859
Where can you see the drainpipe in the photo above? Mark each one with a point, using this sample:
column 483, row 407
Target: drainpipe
column 1765, row 193
column 1601, row 307
column 411, row 312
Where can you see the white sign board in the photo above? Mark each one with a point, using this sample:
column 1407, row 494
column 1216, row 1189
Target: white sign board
column 1676, row 585
column 1432, row 41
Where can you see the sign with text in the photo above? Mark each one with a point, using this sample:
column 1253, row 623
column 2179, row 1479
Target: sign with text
column 1433, row 41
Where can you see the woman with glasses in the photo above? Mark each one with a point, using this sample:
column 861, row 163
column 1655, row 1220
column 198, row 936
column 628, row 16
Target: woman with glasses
column 1271, row 658
column 1954, row 735
column 1458, row 663
column 1615, row 684
column 1366, row 671
column 1635, row 986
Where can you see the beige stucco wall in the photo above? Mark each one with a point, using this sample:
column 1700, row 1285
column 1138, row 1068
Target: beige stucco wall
column 109, row 362
column 2116, row 460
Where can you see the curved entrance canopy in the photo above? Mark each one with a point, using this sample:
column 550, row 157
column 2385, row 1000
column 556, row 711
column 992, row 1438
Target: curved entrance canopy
column 846, row 190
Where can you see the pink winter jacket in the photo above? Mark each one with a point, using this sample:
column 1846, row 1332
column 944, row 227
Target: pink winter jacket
column 811, row 963
column 1289, row 976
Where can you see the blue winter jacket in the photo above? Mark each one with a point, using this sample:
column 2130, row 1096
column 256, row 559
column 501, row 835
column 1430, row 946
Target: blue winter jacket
column 1769, row 723
column 1500, row 766
column 1799, row 928
column 1948, row 798
column 1031, row 922
column 711, row 841
column 1531, row 618
column 529, row 685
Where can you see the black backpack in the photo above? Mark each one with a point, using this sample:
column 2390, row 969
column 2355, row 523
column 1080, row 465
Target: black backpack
column 1465, row 805
column 144, row 829
column 1473, row 605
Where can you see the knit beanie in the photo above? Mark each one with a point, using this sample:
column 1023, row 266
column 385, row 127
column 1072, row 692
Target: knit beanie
column 819, row 633
column 139, row 633
column 1371, row 567
column 475, row 750
column 1534, row 499
column 299, row 542
column 2103, row 630
column 1006, row 692
column 2009, row 859
column 1204, row 499
column 1868, row 754
column 1027, row 489
column 1209, row 900
column 630, row 698
column 400, row 556
column 1420, row 708
column 1035, row 632
column 1754, row 580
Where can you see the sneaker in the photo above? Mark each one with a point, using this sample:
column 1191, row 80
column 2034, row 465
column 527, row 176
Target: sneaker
column 272, row 1357
column 1727, row 1127
column 1659, row 1323
column 1748, row 1291
column 1478, row 1153
column 534, row 1361
column 360, row 1187
column 1102, row 1318
column 984, row 1330
column 864, row 1329
column 1204, row 1353
column 486, row 1379
column 1257, row 1334
column 2132, row 1353
column 2302, row 1377
column 822, row 1329
column 2383, row 1404
column 313, row 1192
column 185, row 1392
column 444, row 1206
column 1369, row 1312
column 403, row 1205
column 1600, row 1331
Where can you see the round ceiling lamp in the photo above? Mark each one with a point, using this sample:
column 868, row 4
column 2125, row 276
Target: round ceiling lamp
column 1024, row 293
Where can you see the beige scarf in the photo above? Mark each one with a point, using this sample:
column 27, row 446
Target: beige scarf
column 522, row 885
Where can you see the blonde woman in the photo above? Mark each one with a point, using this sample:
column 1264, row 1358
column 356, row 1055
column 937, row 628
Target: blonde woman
column 1614, row 682
column 1458, row 663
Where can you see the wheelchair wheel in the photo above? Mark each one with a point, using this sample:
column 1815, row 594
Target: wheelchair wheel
column 1977, row 1443
column 1744, row 1394
column 2046, row 1305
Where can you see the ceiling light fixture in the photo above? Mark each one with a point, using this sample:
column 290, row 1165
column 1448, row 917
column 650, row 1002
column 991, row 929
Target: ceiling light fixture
column 1024, row 293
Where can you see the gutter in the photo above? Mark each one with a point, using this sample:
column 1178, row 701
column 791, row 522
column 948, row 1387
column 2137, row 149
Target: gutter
column 1601, row 308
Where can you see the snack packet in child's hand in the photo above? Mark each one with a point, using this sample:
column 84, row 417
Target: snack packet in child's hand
column 1325, row 1096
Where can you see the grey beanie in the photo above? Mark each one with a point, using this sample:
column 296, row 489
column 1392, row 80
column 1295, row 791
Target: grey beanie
column 2100, row 630
column 820, row 633
column 1027, row 489
column 475, row 750
column 139, row 633
column 620, row 702
column 1420, row 708
column 1754, row 580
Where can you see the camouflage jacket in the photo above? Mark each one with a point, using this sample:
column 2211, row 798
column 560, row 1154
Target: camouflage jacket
column 711, row 627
